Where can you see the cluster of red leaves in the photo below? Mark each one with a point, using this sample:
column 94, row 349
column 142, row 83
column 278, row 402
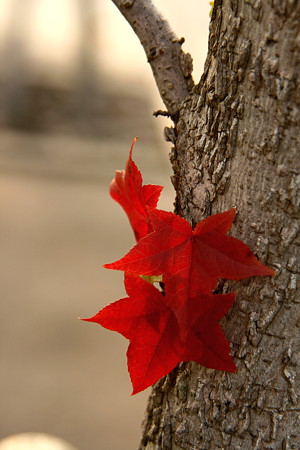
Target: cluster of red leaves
column 180, row 323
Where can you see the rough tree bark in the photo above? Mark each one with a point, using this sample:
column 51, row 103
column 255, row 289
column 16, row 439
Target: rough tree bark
column 171, row 67
column 236, row 138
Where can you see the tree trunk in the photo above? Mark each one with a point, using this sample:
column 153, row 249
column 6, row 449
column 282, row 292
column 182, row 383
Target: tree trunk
column 235, row 144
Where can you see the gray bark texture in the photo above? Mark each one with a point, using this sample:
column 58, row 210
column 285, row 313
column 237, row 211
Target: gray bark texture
column 171, row 67
column 236, row 143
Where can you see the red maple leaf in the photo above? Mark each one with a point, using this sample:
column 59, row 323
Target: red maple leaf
column 179, row 324
column 136, row 200
column 191, row 260
column 163, row 333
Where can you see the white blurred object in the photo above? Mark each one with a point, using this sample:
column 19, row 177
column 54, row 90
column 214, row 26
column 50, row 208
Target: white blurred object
column 34, row 441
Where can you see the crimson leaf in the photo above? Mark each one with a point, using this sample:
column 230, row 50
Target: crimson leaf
column 163, row 333
column 195, row 258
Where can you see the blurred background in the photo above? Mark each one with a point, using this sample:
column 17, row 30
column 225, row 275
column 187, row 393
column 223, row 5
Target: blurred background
column 75, row 88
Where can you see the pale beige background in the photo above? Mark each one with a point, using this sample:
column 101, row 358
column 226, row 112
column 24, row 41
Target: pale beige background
column 58, row 224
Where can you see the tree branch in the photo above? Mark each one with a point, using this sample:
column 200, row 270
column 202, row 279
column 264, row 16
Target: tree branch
column 171, row 67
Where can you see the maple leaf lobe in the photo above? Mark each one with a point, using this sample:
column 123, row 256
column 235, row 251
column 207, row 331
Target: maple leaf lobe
column 127, row 189
column 161, row 336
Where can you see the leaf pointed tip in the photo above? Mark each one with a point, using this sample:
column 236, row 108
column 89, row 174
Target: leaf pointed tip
column 230, row 365
column 86, row 319
column 132, row 145
column 230, row 214
column 134, row 392
column 272, row 272
column 265, row 270
column 138, row 389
